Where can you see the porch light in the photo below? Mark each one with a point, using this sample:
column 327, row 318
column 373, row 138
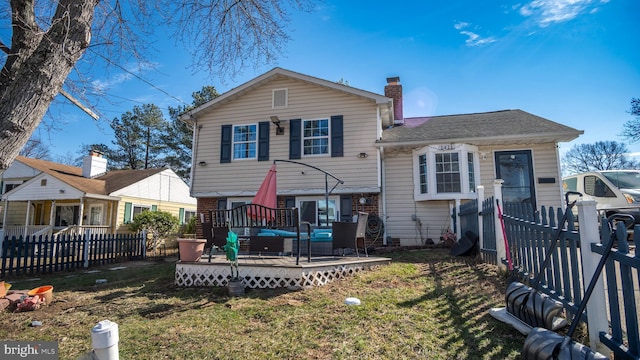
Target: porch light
column 276, row 121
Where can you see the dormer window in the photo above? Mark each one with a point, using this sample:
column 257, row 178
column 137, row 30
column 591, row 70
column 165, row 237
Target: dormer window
column 445, row 172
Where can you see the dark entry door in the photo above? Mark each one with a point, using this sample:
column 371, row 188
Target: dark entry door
column 516, row 169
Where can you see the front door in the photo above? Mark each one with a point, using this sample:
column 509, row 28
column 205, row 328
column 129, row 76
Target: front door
column 516, row 169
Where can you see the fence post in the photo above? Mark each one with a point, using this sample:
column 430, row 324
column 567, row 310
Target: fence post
column 501, row 252
column 596, row 306
column 143, row 244
column 87, row 243
column 480, row 201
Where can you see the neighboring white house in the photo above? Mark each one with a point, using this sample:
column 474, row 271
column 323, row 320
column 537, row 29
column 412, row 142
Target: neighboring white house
column 43, row 197
column 407, row 173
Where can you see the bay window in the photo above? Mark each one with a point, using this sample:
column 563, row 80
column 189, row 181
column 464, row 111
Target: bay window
column 445, row 172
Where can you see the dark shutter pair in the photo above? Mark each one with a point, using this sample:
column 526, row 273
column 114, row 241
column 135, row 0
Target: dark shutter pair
column 295, row 138
column 263, row 142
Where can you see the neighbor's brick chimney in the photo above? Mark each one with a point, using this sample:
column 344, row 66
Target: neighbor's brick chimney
column 393, row 90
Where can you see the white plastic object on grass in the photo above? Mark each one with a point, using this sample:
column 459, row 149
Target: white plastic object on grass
column 352, row 301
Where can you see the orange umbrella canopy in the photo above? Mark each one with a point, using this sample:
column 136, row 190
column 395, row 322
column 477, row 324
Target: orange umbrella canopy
column 267, row 193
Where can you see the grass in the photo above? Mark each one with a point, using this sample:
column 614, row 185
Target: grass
column 425, row 305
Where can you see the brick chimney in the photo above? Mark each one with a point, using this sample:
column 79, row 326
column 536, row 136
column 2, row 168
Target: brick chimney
column 393, row 90
column 93, row 164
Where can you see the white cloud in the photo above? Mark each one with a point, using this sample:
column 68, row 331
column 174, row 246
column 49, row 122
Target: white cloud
column 474, row 39
column 460, row 25
column 133, row 70
column 547, row 12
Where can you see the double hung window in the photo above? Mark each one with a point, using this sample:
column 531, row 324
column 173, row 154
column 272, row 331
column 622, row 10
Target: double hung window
column 315, row 137
column 245, row 141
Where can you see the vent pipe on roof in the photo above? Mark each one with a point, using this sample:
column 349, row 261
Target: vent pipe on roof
column 93, row 164
column 393, row 90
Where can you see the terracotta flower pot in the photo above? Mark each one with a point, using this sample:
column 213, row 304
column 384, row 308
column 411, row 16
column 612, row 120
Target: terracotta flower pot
column 191, row 249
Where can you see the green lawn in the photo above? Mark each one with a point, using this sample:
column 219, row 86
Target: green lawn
column 425, row 305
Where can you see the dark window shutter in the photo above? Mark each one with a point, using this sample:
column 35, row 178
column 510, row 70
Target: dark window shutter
column 225, row 144
column 127, row 212
column 290, row 202
column 295, row 139
column 263, row 140
column 346, row 202
column 337, row 137
column 181, row 215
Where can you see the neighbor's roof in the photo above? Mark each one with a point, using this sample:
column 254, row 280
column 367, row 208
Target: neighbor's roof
column 280, row 73
column 101, row 185
column 497, row 127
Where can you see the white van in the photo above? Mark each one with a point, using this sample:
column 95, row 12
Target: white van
column 615, row 191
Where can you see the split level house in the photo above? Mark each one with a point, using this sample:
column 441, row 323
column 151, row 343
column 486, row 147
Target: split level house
column 43, row 198
column 407, row 174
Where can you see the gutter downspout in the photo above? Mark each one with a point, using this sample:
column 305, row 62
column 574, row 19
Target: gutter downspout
column 194, row 151
column 384, row 194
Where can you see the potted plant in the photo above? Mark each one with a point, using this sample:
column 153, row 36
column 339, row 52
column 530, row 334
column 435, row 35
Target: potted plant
column 235, row 286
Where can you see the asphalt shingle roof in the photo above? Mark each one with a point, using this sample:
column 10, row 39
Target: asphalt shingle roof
column 101, row 185
column 478, row 127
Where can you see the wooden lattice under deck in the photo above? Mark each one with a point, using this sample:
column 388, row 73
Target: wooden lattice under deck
column 261, row 272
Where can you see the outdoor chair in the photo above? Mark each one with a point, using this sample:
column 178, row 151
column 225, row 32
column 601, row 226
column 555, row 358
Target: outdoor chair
column 348, row 235
column 361, row 232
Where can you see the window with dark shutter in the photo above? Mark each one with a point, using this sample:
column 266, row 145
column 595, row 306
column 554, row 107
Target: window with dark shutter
column 127, row 212
column 295, row 134
column 263, row 140
column 225, row 144
column 337, row 137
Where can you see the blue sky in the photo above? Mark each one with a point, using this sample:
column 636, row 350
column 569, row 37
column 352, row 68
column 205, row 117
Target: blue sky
column 576, row 62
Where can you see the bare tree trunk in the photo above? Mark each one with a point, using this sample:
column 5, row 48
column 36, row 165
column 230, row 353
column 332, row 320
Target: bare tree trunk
column 37, row 65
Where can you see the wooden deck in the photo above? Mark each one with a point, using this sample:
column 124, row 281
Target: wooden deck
column 273, row 271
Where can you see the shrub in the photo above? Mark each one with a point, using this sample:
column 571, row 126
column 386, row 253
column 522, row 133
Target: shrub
column 159, row 224
column 190, row 227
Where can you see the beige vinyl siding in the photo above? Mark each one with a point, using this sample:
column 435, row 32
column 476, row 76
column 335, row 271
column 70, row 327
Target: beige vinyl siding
column 545, row 165
column 401, row 208
column 433, row 216
column 306, row 101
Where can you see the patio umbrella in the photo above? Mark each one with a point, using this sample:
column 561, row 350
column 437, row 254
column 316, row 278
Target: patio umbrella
column 266, row 196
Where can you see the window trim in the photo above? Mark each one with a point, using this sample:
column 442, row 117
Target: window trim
column 233, row 142
column 10, row 182
column 133, row 209
column 61, row 205
column 327, row 137
column 332, row 198
column 101, row 207
column 429, row 153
